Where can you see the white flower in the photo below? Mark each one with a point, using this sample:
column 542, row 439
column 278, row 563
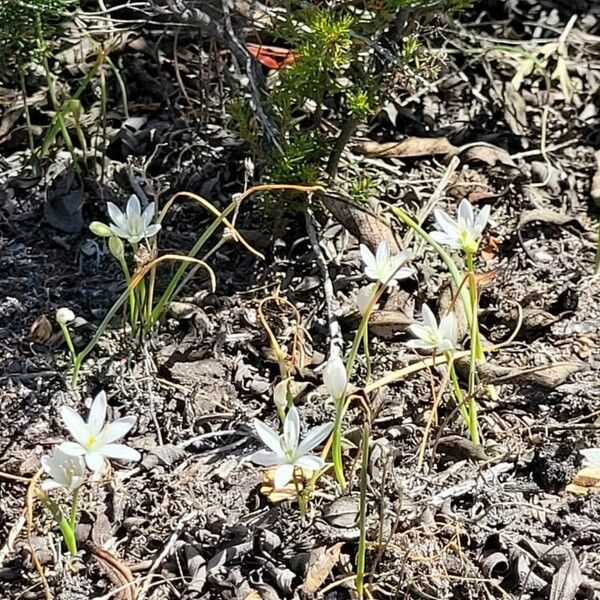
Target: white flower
column 364, row 296
column 591, row 457
column 64, row 316
column 335, row 378
column 430, row 336
column 464, row 233
column 384, row 267
column 64, row 470
column 133, row 225
column 94, row 440
column 286, row 451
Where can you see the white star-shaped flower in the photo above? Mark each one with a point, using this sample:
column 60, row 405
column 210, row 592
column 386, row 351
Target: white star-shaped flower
column 430, row 335
column 286, row 452
column 133, row 225
column 464, row 233
column 94, row 440
column 383, row 266
column 65, row 471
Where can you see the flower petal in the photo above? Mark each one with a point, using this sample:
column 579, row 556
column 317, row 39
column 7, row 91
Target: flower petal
column 266, row 458
column 465, row 212
column 445, row 222
column 149, row 213
column 483, row 217
column 72, row 448
column 97, row 414
column 50, row 484
column 133, row 207
column 120, row 452
column 443, row 238
column 152, row 230
column 449, row 328
column 117, row 429
column 313, row 438
column 75, row 424
column 283, row 475
column 591, row 457
column 364, row 296
column 119, row 231
column 291, row 429
column 116, row 215
column 383, row 253
column 312, row 463
column 268, row 436
column 368, row 257
column 94, row 461
column 421, row 331
column 429, row 319
column 420, row 345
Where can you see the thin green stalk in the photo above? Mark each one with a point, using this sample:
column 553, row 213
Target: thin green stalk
column 68, row 340
column 475, row 350
column 63, row 524
column 73, row 518
column 132, row 303
column 362, row 515
column 460, row 399
column 336, row 442
column 452, row 267
column 367, row 354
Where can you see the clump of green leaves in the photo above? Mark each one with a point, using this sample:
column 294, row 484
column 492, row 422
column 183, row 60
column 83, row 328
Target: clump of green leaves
column 24, row 27
column 344, row 61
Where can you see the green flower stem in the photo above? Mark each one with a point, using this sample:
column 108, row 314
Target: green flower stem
column 452, row 267
column 362, row 516
column 69, row 341
column 63, row 524
column 460, row 399
column 73, row 516
column 365, row 341
column 132, row 304
column 476, row 351
column 341, row 405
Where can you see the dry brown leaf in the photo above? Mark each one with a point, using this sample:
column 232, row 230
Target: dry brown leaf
column 490, row 249
column 40, row 331
column 320, row 564
column 409, row 148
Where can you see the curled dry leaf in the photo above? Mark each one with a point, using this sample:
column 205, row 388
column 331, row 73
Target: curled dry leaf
column 40, row 331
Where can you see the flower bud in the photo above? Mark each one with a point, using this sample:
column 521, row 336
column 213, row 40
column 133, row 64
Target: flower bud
column 100, row 229
column 280, row 395
column 115, row 245
column 64, row 316
column 334, row 377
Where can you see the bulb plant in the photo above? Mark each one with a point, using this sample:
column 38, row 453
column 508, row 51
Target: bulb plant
column 137, row 228
column 462, row 235
column 66, row 467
